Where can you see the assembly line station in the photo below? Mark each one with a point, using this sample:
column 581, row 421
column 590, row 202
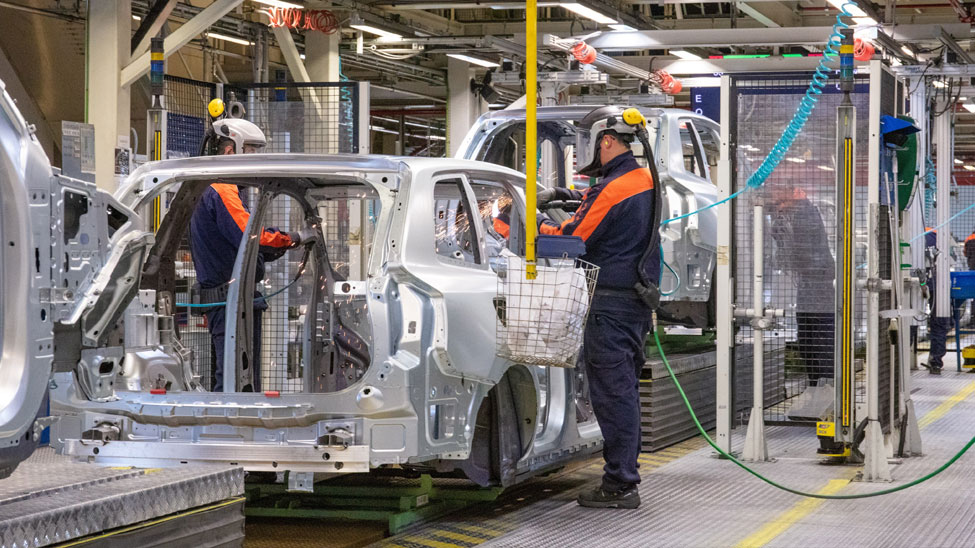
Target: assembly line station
column 433, row 274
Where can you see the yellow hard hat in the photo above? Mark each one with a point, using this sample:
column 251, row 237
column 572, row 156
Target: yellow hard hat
column 216, row 107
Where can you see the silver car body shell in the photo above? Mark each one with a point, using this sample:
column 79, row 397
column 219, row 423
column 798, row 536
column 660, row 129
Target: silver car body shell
column 432, row 357
column 690, row 244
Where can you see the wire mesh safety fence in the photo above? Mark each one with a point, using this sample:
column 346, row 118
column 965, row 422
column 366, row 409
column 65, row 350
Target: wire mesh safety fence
column 319, row 118
column 348, row 214
column 542, row 321
column 310, row 118
column 186, row 115
column 799, row 226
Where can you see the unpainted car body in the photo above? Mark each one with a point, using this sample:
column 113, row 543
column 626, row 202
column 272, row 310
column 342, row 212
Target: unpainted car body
column 685, row 146
column 399, row 350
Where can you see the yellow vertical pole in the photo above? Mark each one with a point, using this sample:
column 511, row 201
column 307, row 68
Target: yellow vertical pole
column 531, row 134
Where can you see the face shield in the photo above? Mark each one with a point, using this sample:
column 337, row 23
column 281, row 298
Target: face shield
column 254, row 148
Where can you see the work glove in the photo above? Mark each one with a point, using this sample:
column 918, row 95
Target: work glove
column 547, row 195
column 295, row 239
column 307, row 235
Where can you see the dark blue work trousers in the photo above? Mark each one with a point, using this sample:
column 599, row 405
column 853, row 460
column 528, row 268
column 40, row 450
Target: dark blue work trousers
column 217, row 324
column 613, row 353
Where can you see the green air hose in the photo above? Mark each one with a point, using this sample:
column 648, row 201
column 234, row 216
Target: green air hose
column 710, row 441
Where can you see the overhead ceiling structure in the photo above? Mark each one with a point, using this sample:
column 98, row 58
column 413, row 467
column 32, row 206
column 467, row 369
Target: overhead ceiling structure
column 402, row 46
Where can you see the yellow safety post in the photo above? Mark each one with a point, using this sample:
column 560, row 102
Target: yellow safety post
column 531, row 134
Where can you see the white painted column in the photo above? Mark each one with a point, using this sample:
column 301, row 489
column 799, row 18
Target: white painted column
column 723, row 278
column 463, row 107
column 107, row 104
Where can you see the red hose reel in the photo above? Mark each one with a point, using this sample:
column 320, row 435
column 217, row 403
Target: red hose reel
column 322, row 21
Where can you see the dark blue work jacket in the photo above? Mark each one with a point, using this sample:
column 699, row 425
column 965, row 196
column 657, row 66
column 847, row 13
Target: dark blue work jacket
column 216, row 229
column 615, row 221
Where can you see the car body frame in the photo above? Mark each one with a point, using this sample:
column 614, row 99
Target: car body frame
column 686, row 147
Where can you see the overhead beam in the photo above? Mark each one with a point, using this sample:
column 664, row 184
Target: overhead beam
column 291, row 55
column 954, row 46
column 151, row 24
column 783, row 36
column 772, row 15
column 179, row 38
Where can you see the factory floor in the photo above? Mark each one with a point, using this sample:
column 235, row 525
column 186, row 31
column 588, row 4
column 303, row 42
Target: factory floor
column 691, row 498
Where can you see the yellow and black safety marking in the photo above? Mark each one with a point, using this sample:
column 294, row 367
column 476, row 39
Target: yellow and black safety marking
column 846, row 349
column 500, row 517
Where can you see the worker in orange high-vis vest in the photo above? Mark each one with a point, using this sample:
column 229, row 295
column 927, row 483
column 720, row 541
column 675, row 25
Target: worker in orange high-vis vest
column 970, row 250
column 216, row 229
column 617, row 221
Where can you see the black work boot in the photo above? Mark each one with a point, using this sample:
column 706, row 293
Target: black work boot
column 933, row 369
column 600, row 498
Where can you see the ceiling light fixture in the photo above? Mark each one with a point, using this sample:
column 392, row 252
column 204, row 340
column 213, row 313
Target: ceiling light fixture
column 137, row 18
column 233, row 39
column 589, row 13
column 969, row 167
column 854, row 10
column 796, row 160
column 939, row 84
column 686, row 55
column 957, row 161
column 280, row 4
column 970, row 107
column 474, row 60
column 383, row 34
column 907, row 49
column 622, row 28
column 864, row 22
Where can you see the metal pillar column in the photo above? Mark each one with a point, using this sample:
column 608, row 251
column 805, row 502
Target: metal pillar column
column 463, row 107
column 548, row 96
column 108, row 40
column 723, row 277
column 755, row 447
column 875, row 467
column 942, row 135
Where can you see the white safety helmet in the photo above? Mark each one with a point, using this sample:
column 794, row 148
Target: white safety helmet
column 624, row 124
column 247, row 137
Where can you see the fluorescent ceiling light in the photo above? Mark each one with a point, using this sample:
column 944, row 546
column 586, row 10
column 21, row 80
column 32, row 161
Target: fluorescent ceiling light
column 589, row 13
column 864, row 22
column 302, row 55
column 895, row 62
column 825, row 168
column 939, row 84
column 969, row 167
column 137, row 18
column 280, row 4
column 685, row 55
column 474, row 60
column 796, row 160
column 906, row 49
column 622, row 28
column 217, row 36
column 854, row 10
column 957, row 161
column 970, row 107
column 385, row 34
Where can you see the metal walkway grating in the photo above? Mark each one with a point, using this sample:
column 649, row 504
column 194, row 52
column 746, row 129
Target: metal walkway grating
column 697, row 500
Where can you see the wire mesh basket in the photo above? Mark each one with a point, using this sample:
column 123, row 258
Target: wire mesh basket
column 541, row 321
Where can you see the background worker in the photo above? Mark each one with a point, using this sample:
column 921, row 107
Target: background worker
column 216, row 229
column 938, row 327
column 802, row 249
column 616, row 220
column 970, row 250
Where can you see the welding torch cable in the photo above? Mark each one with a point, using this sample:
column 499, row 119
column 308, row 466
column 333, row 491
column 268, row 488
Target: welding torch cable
column 301, row 272
column 777, row 485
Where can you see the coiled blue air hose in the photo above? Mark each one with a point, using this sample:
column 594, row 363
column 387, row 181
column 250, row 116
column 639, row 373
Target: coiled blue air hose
column 799, row 119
